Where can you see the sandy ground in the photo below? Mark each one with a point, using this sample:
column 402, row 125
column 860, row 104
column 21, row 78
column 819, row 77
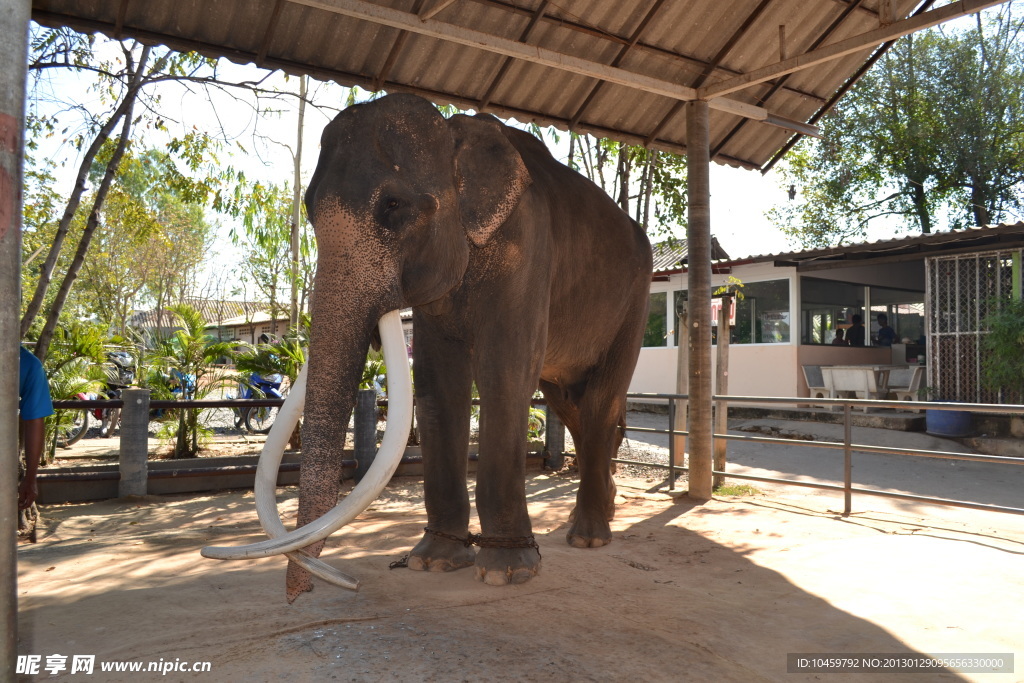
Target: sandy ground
column 721, row 591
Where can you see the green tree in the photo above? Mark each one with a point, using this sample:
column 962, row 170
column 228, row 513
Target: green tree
column 647, row 184
column 1002, row 358
column 187, row 359
column 265, row 238
column 74, row 366
column 930, row 137
column 122, row 79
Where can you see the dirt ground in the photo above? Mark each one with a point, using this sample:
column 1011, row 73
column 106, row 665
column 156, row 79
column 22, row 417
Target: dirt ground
column 721, row 591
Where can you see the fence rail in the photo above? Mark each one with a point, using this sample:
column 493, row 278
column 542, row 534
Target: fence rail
column 847, row 446
column 554, row 447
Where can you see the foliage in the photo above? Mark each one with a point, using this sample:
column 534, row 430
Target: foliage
column 265, row 237
column 83, row 94
column 648, row 184
column 186, row 360
column 1002, row 357
column 74, row 366
column 737, row 490
column 285, row 357
column 932, row 136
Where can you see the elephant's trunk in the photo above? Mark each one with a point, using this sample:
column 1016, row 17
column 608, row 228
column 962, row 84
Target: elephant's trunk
column 318, row 526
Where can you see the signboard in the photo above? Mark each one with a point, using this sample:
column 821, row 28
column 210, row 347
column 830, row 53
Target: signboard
column 716, row 311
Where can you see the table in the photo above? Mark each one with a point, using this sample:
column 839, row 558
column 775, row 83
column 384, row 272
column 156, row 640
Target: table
column 863, row 381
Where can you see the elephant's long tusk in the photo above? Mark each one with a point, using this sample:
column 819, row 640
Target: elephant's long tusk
column 266, row 484
column 380, row 472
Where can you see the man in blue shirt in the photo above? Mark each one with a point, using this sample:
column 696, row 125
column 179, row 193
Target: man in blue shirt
column 34, row 406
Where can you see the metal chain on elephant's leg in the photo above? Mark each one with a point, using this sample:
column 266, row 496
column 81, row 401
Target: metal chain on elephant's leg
column 489, row 541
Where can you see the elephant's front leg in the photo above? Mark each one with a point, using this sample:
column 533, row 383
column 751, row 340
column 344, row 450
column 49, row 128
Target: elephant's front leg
column 443, row 397
column 508, row 553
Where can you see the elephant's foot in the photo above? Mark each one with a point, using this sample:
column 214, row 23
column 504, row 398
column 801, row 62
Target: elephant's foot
column 588, row 531
column 502, row 566
column 438, row 554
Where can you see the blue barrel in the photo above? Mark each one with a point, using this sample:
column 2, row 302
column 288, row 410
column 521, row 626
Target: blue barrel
column 951, row 423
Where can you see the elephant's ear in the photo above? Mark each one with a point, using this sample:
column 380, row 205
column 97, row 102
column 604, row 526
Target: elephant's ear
column 491, row 175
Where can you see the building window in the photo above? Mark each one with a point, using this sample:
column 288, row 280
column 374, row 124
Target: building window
column 828, row 305
column 762, row 314
column 905, row 310
column 656, row 333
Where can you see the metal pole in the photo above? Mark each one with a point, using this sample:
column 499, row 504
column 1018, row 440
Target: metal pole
column 722, row 388
column 671, row 444
column 698, row 247
column 14, row 16
column 847, row 460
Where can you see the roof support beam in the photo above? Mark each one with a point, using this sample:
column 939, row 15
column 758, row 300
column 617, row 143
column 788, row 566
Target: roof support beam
column 619, row 58
column 715, row 62
column 850, row 45
column 774, row 87
column 386, row 16
column 268, row 34
column 485, row 101
column 436, row 9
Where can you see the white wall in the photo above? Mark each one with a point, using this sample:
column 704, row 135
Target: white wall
column 754, row 369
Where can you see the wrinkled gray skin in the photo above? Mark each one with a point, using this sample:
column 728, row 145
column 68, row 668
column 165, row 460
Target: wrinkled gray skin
column 521, row 273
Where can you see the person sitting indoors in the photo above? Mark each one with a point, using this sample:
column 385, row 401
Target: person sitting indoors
column 855, row 335
column 840, row 339
column 886, row 335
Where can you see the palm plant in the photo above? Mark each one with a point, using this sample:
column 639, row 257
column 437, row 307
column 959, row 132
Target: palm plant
column 285, row 357
column 183, row 368
column 73, row 366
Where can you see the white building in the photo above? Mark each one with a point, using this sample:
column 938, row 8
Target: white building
column 933, row 288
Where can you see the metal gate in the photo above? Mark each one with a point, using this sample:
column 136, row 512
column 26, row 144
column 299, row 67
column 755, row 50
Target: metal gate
column 960, row 291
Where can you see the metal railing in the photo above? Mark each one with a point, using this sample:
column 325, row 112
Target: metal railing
column 554, row 449
column 847, row 446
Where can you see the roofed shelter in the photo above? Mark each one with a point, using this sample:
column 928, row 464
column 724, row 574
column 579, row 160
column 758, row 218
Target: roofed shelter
column 734, row 82
column 934, row 289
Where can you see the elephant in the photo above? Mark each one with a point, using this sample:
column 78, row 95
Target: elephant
column 521, row 274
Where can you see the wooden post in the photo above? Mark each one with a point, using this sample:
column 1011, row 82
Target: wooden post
column 698, row 246
column 722, row 388
column 682, row 382
column 14, row 17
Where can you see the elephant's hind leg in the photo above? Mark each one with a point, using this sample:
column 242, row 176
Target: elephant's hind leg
column 602, row 409
column 593, row 428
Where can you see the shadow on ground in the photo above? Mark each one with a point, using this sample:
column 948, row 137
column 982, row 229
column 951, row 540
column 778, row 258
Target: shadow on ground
column 717, row 591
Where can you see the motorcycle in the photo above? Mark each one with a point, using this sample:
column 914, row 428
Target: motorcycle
column 181, row 386
column 120, row 376
column 258, row 420
column 71, row 430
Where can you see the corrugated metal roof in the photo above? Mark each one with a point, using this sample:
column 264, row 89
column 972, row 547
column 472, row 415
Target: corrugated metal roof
column 670, row 256
column 615, row 69
column 994, row 237
column 213, row 311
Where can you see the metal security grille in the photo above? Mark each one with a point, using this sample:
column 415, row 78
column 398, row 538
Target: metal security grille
column 960, row 290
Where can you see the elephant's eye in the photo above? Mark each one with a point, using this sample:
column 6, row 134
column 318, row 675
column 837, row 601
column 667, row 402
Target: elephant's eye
column 391, row 205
